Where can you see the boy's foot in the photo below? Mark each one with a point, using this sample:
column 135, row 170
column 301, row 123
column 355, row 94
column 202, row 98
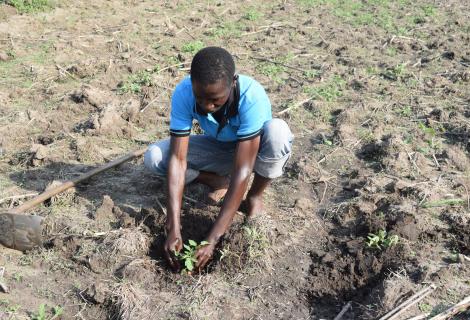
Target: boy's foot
column 252, row 206
column 219, row 186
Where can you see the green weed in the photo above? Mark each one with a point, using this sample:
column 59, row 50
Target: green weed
column 226, row 30
column 425, row 307
column 192, row 47
column 395, row 73
column 311, row 74
column 443, row 203
column 381, row 240
column 135, row 82
column 311, row 3
column 330, row 91
column 405, row 111
column 42, row 314
column 252, row 14
column 271, row 70
column 257, row 241
column 8, row 308
column 29, row 6
column 427, row 130
column 188, row 255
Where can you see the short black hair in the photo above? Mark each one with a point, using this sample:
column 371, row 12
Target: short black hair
column 212, row 64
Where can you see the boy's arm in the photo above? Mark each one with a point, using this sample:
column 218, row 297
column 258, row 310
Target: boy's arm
column 175, row 186
column 245, row 157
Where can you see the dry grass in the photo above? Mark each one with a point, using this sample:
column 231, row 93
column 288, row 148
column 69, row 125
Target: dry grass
column 131, row 303
column 127, row 242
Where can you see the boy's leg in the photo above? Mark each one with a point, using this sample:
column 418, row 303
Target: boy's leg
column 209, row 162
column 275, row 150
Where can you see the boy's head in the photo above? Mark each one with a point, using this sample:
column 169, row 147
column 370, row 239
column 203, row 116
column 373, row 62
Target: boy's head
column 212, row 77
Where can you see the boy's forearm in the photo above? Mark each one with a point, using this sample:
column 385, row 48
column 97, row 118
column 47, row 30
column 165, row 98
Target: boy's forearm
column 245, row 157
column 175, row 187
column 233, row 198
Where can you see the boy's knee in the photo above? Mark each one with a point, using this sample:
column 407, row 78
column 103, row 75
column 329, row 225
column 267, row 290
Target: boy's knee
column 154, row 158
column 277, row 139
column 275, row 150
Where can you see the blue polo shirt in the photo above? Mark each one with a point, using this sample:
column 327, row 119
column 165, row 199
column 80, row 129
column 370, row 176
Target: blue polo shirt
column 254, row 109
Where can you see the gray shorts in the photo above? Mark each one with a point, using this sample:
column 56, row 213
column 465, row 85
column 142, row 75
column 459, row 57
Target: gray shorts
column 207, row 154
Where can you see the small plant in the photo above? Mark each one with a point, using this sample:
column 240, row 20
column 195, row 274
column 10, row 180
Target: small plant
column 29, row 6
column 58, row 311
column 425, row 307
column 395, row 73
column 252, row 14
column 192, row 47
column 405, row 111
column 188, row 255
column 329, row 92
column 381, row 240
column 41, row 314
column 257, row 241
column 443, row 203
column 135, row 82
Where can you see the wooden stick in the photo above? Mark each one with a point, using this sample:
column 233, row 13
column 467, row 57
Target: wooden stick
column 298, row 104
column 343, row 311
column 420, row 317
column 21, row 196
column 459, row 307
column 71, row 183
column 393, row 314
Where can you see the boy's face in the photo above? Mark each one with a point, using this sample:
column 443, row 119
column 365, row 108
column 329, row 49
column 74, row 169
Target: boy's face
column 213, row 96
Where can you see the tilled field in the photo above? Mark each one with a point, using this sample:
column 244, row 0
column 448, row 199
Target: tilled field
column 373, row 206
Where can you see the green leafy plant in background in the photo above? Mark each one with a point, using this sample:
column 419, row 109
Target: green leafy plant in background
column 29, row 6
column 330, row 91
column 188, row 255
column 252, row 14
column 381, row 240
column 135, row 82
column 42, row 314
column 192, row 47
column 257, row 241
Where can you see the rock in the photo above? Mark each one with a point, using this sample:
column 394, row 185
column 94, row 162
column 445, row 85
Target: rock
column 98, row 293
column 458, row 158
column 304, row 204
column 4, row 56
column 40, row 152
column 105, row 211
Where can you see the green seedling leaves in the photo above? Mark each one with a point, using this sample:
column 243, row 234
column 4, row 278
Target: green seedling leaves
column 188, row 255
column 381, row 240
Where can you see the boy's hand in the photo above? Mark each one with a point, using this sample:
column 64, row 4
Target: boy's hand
column 173, row 243
column 204, row 254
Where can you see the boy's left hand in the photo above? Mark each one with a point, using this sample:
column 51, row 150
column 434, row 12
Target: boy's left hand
column 204, row 254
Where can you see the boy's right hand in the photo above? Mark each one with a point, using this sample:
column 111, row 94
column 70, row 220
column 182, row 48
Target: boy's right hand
column 173, row 243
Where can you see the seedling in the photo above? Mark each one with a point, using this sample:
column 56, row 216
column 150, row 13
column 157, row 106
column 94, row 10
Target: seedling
column 41, row 314
column 381, row 240
column 57, row 311
column 188, row 255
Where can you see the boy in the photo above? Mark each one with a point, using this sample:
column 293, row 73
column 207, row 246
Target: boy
column 239, row 136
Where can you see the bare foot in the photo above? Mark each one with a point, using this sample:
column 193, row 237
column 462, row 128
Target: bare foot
column 215, row 196
column 254, row 206
column 219, row 186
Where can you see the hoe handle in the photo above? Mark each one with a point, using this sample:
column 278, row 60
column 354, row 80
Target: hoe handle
column 70, row 183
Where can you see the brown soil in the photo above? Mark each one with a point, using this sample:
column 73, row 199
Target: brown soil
column 382, row 143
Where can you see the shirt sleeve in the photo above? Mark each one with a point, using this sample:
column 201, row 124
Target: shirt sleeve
column 254, row 112
column 181, row 118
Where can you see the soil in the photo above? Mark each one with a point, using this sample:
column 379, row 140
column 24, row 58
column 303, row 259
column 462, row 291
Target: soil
column 376, row 93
